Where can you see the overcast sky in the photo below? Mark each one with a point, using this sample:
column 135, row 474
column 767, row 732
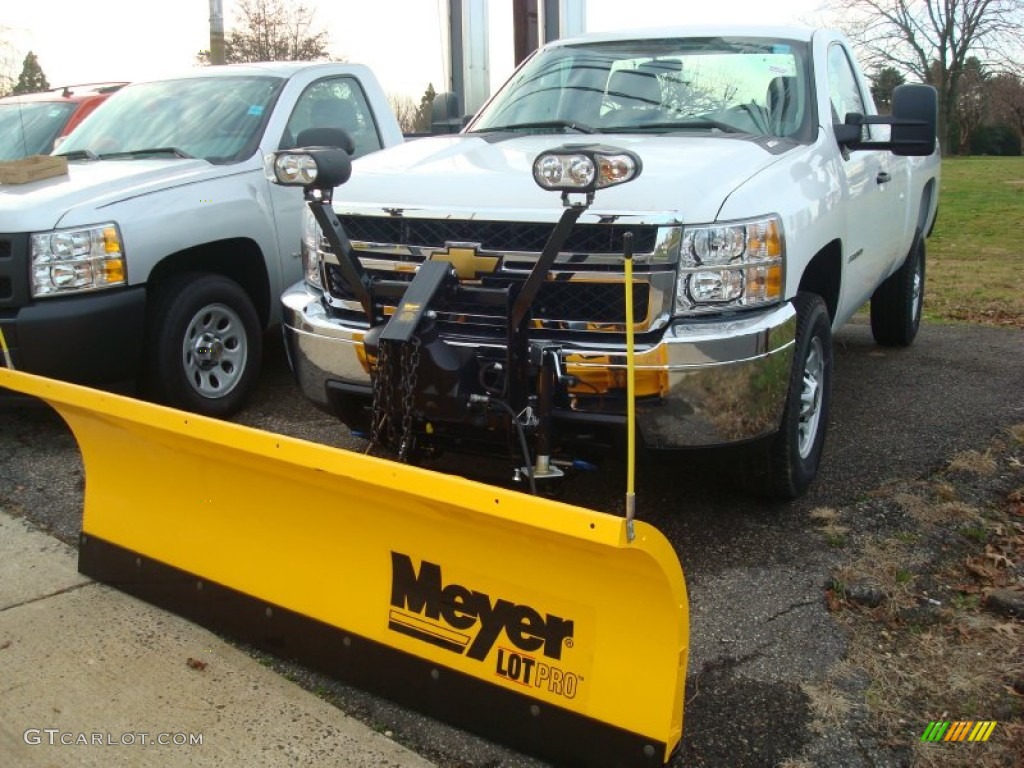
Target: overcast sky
column 401, row 40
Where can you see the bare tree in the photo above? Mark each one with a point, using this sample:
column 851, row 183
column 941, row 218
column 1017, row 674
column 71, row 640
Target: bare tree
column 932, row 39
column 8, row 61
column 273, row 30
column 971, row 103
column 693, row 93
column 406, row 112
column 1007, row 101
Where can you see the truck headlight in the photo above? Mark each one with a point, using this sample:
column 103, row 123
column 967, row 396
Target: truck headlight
column 311, row 249
column 734, row 264
column 76, row 260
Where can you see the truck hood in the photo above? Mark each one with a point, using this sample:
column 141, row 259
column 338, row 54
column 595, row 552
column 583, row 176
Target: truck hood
column 95, row 185
column 688, row 177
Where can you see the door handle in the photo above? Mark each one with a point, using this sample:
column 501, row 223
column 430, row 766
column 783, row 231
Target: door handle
column 883, row 177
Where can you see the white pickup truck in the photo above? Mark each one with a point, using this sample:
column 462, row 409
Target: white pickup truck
column 766, row 203
column 161, row 255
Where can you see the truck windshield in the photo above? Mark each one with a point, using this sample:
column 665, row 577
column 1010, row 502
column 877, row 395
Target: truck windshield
column 689, row 85
column 30, row 128
column 219, row 119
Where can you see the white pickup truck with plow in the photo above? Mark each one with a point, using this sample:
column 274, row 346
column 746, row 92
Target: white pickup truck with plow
column 641, row 234
column 767, row 202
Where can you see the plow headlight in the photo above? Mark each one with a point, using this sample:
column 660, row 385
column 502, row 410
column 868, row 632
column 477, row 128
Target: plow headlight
column 312, row 168
column 294, row 168
column 574, row 168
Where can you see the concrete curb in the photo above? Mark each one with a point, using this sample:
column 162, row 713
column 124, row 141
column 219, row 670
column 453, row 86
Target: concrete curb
column 93, row 677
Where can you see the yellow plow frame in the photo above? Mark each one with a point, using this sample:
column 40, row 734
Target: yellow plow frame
column 532, row 622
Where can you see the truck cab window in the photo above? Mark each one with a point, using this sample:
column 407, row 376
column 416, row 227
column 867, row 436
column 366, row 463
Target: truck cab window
column 336, row 102
column 844, row 92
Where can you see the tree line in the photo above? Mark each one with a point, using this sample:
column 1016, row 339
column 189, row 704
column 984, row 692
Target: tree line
column 969, row 50
column 988, row 112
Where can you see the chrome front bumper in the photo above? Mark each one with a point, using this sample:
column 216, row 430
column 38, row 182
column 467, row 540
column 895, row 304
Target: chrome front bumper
column 722, row 381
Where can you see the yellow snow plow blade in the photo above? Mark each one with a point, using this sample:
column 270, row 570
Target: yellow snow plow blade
column 532, row 622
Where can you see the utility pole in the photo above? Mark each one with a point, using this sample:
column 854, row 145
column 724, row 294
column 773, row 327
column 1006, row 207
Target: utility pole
column 216, row 32
column 468, row 54
column 535, row 22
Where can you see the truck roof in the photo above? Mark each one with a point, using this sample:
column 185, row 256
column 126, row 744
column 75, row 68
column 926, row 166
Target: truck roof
column 799, row 33
column 273, row 68
column 66, row 93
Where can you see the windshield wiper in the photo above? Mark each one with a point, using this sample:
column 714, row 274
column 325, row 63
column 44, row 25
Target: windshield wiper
column 570, row 124
column 151, row 151
column 677, row 125
column 80, row 154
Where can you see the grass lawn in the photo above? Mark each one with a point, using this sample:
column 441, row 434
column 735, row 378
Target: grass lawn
column 976, row 253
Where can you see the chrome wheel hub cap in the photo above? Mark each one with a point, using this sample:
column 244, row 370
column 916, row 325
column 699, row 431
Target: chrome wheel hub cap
column 214, row 351
column 810, row 397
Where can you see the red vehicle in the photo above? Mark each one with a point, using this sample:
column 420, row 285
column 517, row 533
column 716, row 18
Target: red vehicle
column 31, row 123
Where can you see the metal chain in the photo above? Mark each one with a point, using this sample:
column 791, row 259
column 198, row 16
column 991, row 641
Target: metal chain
column 381, row 424
column 394, row 389
column 410, row 368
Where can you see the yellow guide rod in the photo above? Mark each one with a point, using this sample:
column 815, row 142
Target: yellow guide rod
column 5, row 353
column 630, row 392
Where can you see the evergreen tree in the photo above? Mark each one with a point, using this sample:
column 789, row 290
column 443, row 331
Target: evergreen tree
column 31, row 79
column 883, row 83
column 425, row 111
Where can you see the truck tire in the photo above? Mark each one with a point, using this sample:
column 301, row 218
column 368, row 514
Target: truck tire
column 205, row 345
column 896, row 304
column 795, row 451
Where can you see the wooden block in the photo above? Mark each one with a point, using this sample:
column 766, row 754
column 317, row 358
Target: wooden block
column 33, row 168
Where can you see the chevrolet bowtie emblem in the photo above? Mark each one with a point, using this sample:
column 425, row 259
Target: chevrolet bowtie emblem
column 468, row 264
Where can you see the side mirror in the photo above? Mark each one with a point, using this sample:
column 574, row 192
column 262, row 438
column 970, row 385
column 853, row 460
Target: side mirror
column 444, row 114
column 326, row 137
column 915, row 110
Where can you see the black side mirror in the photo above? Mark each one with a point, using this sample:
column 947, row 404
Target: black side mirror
column 326, row 137
column 445, row 114
column 915, row 111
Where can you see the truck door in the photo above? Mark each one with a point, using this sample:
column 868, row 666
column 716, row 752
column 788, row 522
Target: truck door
column 874, row 218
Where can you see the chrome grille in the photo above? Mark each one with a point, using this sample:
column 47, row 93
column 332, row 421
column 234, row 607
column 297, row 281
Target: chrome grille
column 558, row 304
column 505, row 236
column 584, row 290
